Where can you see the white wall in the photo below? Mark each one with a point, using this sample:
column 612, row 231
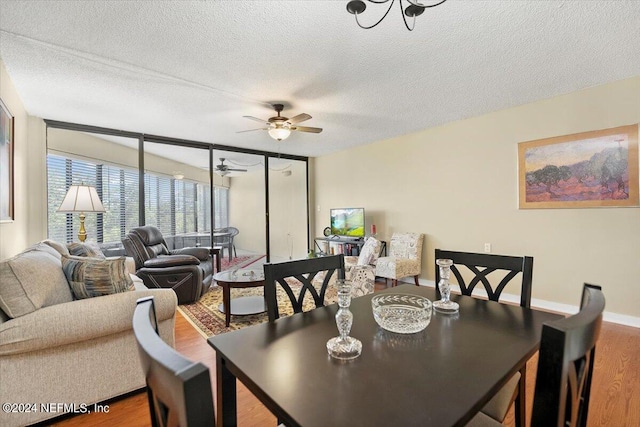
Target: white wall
column 458, row 184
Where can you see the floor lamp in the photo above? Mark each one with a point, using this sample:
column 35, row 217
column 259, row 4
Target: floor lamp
column 81, row 198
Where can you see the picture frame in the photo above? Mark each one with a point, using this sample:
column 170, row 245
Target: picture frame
column 6, row 164
column 583, row 170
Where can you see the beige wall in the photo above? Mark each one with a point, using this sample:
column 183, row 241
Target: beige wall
column 14, row 235
column 457, row 183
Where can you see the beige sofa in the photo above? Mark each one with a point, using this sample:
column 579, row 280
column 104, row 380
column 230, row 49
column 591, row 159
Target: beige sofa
column 56, row 349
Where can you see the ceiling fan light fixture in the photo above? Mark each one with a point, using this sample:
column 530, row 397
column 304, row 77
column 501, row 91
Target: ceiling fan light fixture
column 279, row 133
column 222, row 172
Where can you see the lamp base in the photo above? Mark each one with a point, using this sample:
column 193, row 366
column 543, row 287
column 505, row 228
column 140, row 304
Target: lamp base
column 82, row 233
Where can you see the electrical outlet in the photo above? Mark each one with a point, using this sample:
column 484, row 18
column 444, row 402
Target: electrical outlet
column 318, row 208
column 487, row 248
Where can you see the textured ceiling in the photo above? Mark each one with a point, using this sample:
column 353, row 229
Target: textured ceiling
column 192, row 69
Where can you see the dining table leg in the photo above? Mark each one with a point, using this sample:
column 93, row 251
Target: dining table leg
column 226, row 302
column 226, row 405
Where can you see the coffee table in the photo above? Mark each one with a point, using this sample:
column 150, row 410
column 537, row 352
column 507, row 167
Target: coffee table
column 244, row 305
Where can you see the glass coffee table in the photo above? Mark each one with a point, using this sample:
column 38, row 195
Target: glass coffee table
column 242, row 306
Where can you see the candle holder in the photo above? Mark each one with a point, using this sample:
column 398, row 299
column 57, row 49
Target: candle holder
column 445, row 305
column 343, row 346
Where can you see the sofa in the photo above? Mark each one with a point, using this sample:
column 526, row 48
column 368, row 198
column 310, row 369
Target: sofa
column 56, row 348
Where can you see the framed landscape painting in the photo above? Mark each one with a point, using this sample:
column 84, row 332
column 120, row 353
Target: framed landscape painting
column 589, row 169
column 6, row 164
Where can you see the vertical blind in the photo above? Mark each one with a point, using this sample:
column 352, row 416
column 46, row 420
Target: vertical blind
column 174, row 206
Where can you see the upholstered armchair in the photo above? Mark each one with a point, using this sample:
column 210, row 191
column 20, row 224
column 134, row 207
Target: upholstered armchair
column 404, row 260
column 188, row 271
column 361, row 270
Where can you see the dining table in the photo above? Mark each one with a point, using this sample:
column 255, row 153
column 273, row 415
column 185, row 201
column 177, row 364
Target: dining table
column 441, row 376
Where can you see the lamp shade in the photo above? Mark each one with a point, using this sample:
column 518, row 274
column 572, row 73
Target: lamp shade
column 81, row 198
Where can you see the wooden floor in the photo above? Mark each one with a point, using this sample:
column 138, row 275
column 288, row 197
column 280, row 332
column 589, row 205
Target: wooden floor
column 615, row 398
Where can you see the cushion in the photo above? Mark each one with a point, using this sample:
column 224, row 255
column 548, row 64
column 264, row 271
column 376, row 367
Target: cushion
column 369, row 252
column 92, row 277
column 59, row 247
column 87, row 249
column 31, row 280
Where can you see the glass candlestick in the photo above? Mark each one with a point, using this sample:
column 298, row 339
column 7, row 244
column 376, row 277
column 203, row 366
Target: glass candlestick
column 343, row 346
column 445, row 305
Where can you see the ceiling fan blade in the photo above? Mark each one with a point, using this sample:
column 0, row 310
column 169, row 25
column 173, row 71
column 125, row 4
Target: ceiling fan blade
column 306, row 129
column 237, row 170
column 256, row 119
column 299, row 118
column 251, row 130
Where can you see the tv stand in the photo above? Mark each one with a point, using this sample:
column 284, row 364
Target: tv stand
column 349, row 246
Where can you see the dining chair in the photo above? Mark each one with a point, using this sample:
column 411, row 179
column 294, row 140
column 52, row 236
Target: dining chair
column 303, row 271
column 226, row 240
column 404, row 260
column 477, row 268
column 565, row 367
column 178, row 390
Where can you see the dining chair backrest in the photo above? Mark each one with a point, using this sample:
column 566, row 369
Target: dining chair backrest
column 481, row 265
column 303, row 272
column 179, row 390
column 565, row 364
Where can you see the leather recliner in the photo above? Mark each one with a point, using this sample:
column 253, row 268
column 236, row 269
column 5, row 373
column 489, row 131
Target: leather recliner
column 188, row 271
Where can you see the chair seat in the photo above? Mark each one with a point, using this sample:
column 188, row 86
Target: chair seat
column 397, row 268
column 482, row 420
column 499, row 404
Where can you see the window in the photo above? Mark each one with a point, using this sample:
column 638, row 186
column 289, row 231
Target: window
column 174, row 206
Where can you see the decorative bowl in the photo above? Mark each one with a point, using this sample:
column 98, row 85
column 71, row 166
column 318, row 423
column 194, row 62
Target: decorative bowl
column 401, row 313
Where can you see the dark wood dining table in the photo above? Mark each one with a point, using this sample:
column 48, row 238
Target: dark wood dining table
column 440, row 377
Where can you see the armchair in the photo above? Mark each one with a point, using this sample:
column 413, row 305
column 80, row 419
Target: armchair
column 405, row 258
column 361, row 270
column 188, row 271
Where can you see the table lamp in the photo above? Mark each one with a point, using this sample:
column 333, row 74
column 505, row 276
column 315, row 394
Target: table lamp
column 81, row 198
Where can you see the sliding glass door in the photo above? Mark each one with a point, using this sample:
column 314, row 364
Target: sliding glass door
column 187, row 189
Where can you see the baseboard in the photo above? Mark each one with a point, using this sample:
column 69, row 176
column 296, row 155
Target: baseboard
column 621, row 319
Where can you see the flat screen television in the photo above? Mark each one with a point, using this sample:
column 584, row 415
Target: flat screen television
column 347, row 222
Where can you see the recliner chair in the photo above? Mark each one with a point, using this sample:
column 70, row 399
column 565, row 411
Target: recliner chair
column 188, row 271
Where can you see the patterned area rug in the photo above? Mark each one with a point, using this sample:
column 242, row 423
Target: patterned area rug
column 239, row 262
column 207, row 318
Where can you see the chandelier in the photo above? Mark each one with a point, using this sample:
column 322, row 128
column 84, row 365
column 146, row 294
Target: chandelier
column 415, row 8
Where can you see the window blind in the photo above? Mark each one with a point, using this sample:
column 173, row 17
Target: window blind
column 174, row 206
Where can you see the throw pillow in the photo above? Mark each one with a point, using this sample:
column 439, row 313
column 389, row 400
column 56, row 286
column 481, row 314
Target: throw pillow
column 369, row 252
column 87, row 249
column 92, row 277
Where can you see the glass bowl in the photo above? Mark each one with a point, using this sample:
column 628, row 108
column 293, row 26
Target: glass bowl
column 401, row 313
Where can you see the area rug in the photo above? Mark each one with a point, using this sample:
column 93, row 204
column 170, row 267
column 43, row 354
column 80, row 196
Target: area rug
column 239, row 262
column 208, row 320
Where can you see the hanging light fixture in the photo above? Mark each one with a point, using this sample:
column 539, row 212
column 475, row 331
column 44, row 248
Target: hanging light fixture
column 279, row 132
column 415, row 8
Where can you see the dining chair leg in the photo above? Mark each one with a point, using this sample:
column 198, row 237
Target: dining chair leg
column 520, row 408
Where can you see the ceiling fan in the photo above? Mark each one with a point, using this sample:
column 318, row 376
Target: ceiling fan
column 223, row 169
column 280, row 127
